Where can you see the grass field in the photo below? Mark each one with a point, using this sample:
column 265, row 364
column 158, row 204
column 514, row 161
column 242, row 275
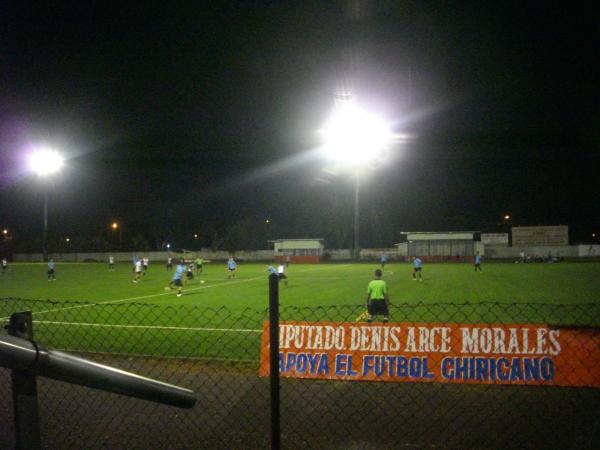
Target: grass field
column 90, row 308
column 310, row 285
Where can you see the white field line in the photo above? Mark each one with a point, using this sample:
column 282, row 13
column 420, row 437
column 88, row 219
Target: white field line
column 144, row 355
column 152, row 327
column 87, row 305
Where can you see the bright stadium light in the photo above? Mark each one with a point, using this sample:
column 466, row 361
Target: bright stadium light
column 355, row 137
column 45, row 162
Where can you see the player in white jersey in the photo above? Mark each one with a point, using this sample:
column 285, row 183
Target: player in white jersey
column 111, row 263
column 145, row 263
column 137, row 270
column 281, row 274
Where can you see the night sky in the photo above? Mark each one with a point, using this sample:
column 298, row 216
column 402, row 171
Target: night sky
column 203, row 119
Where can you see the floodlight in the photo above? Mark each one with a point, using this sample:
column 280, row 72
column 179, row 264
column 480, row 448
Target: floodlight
column 5, row 231
column 45, row 162
column 354, row 136
column 115, row 225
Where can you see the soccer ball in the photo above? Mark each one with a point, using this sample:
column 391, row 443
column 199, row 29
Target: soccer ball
column 202, row 281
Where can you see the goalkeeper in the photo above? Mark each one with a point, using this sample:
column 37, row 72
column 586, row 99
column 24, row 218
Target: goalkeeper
column 378, row 300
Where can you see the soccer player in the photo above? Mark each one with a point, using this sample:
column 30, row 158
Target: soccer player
column 383, row 259
column 281, row 274
column 417, row 268
column 199, row 263
column 190, row 271
column 4, row 265
column 169, row 264
column 231, row 267
column 111, row 263
column 137, row 269
column 51, row 270
column 271, row 269
column 145, row 263
column 134, row 260
column 288, row 260
column 378, row 300
column 177, row 279
column 478, row 262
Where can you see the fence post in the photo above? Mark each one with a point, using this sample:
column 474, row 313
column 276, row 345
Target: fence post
column 274, row 358
column 24, row 389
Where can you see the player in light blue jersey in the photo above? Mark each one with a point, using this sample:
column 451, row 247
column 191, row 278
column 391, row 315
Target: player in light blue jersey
column 271, row 269
column 51, row 270
column 417, row 269
column 177, row 280
column 383, row 259
column 478, row 262
column 231, row 267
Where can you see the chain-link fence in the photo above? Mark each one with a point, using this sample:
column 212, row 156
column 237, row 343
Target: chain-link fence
column 217, row 354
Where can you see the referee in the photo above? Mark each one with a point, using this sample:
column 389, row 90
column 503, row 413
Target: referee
column 378, row 299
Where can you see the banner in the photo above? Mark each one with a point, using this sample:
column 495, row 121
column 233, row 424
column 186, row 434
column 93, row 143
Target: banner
column 553, row 235
column 494, row 238
column 443, row 353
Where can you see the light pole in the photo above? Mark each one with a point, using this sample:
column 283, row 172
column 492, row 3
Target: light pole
column 116, row 226
column 45, row 162
column 355, row 139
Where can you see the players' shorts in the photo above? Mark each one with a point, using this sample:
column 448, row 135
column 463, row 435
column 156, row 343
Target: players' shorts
column 281, row 276
column 378, row 307
column 477, row 264
column 230, row 269
column 50, row 271
column 417, row 269
column 177, row 282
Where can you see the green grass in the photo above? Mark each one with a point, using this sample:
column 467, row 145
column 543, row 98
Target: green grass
column 207, row 321
column 311, row 285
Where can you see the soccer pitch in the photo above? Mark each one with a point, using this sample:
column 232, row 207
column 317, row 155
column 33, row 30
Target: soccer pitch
column 309, row 285
column 90, row 308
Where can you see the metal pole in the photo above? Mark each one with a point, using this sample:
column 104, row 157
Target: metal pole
column 356, row 218
column 274, row 359
column 18, row 353
column 45, row 233
column 24, row 390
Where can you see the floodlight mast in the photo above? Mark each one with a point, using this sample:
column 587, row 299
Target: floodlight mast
column 45, row 163
column 354, row 138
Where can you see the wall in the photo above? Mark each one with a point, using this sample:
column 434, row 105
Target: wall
column 502, row 251
column 253, row 255
column 490, row 251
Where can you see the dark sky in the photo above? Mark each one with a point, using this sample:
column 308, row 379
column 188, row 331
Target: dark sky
column 182, row 119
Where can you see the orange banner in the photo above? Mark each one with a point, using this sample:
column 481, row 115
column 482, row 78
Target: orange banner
column 443, row 353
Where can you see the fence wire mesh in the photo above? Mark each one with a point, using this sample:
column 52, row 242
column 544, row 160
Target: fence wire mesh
column 217, row 354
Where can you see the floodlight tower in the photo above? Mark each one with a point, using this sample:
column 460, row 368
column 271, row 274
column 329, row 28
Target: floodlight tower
column 355, row 138
column 45, row 163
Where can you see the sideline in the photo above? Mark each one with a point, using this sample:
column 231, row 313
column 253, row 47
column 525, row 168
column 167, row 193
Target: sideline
column 153, row 327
